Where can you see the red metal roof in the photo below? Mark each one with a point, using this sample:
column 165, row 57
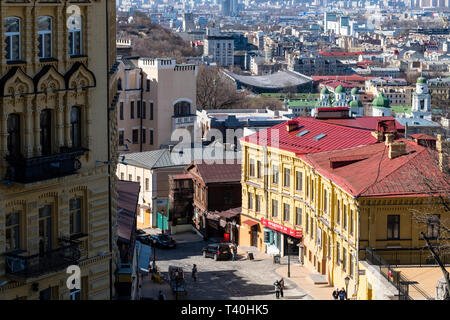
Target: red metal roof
column 378, row 175
column 367, row 123
column 336, row 137
column 422, row 136
column 352, row 77
column 324, row 53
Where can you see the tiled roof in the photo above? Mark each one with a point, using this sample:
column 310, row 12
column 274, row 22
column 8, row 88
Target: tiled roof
column 375, row 174
column 220, row 172
column 366, row 123
column 352, row 77
column 336, row 137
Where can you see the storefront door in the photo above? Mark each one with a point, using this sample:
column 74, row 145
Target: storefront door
column 254, row 237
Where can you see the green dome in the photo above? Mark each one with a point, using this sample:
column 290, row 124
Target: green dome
column 324, row 91
column 421, row 80
column 339, row 89
column 355, row 104
column 381, row 101
column 354, row 91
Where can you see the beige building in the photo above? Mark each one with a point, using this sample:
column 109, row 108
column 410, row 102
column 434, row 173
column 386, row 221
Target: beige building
column 57, row 119
column 157, row 96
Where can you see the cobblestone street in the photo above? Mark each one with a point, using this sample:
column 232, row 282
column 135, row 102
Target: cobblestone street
column 220, row 280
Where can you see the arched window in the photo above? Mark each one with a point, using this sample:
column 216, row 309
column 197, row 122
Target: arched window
column 74, row 23
column 12, row 38
column 46, row 131
column 14, row 146
column 75, row 127
column 119, row 84
column 45, row 37
column 182, row 108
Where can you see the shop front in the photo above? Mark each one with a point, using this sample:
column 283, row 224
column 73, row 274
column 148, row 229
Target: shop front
column 281, row 240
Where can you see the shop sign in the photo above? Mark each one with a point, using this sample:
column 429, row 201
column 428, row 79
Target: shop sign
column 278, row 227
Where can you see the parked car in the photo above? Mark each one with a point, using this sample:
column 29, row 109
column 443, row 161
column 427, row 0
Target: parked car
column 144, row 238
column 140, row 231
column 164, row 241
column 217, row 251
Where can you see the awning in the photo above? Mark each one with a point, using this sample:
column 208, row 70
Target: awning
column 144, row 253
column 251, row 223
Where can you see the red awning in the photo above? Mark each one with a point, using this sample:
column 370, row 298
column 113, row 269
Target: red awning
column 251, row 223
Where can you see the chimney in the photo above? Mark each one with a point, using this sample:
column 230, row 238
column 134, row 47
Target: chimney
column 389, row 138
column 396, row 149
column 442, row 147
column 291, row 125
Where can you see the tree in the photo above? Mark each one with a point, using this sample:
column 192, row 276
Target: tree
column 214, row 90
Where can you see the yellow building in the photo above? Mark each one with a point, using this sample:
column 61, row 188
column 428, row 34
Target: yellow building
column 336, row 191
column 57, row 147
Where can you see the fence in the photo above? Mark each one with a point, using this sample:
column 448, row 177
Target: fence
column 412, row 256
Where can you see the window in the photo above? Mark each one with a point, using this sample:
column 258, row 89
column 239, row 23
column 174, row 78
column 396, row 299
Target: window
column 298, row 216
column 135, row 136
column 151, row 110
column 182, row 108
column 75, row 127
column 45, row 229
column 344, row 259
column 307, row 223
column 298, row 181
column 344, row 217
column 12, row 231
column 151, row 137
column 12, row 38
column 351, row 264
column 287, row 177
column 132, row 110
column 121, row 111
column 147, row 184
column 144, row 136
column 46, row 131
column 148, row 85
column 130, row 177
column 312, row 190
column 307, row 187
column 338, row 212
column 250, row 201
column 258, row 169
column 45, row 37
column 258, row 203
column 121, row 137
column 139, row 109
column 119, row 85
column 275, row 174
column 75, row 216
column 144, row 110
column 74, row 23
column 325, row 200
column 312, row 227
column 393, row 227
column 352, row 223
column 122, row 176
column 75, row 294
column 338, row 253
column 138, row 179
column 287, row 209
column 14, row 143
column 433, row 226
column 329, row 247
column 274, row 208
column 252, row 168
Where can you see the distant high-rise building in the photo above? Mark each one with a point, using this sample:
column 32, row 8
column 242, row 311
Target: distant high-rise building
column 230, row 8
column 188, row 22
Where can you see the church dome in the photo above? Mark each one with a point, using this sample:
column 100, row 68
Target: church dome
column 381, row 101
column 339, row 89
column 354, row 91
column 324, row 91
column 421, row 80
column 355, row 104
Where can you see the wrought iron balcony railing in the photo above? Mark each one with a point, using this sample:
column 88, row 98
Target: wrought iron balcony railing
column 26, row 170
column 20, row 265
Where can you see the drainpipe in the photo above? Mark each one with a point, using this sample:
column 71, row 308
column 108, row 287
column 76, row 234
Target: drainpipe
column 142, row 107
column 357, row 247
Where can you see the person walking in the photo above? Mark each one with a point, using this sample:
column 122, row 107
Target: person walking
column 161, row 295
column 336, row 294
column 342, row 294
column 194, row 272
column 281, row 282
column 234, row 249
column 277, row 289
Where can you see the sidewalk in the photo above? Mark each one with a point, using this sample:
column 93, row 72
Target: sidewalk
column 150, row 289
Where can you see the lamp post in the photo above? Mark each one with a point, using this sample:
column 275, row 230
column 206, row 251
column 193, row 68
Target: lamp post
column 347, row 280
column 177, row 274
column 154, row 254
column 289, row 242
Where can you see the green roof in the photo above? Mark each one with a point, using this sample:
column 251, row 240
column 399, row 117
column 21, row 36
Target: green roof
column 421, row 80
column 381, row 102
column 354, row 91
column 324, row 91
column 339, row 89
column 355, row 104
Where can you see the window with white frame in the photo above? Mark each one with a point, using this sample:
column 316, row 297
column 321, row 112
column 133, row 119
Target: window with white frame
column 74, row 23
column 45, row 37
column 12, row 38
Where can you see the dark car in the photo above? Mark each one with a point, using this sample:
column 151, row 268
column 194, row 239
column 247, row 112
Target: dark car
column 140, row 231
column 217, row 251
column 163, row 241
column 144, row 238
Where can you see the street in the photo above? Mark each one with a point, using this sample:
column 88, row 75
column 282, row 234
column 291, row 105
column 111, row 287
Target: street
column 224, row 280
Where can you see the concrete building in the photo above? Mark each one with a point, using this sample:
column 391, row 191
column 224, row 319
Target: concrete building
column 219, row 49
column 157, row 96
column 57, row 150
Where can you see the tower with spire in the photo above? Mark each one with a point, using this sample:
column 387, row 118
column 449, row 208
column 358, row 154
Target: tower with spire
column 421, row 100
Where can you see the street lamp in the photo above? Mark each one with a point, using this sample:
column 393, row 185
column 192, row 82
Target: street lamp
column 289, row 242
column 154, row 254
column 347, row 280
column 177, row 274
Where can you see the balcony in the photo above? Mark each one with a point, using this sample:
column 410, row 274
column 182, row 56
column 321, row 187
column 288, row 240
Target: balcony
column 19, row 265
column 27, row 170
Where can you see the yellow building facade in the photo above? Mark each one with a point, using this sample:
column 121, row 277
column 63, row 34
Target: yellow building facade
column 57, row 149
column 336, row 226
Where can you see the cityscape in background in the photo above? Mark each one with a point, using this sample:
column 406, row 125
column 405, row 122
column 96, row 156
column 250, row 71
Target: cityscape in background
column 225, row 150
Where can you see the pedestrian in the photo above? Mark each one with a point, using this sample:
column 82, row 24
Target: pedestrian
column 281, row 282
column 342, row 294
column 161, row 296
column 277, row 289
column 336, row 294
column 234, row 248
column 194, row 272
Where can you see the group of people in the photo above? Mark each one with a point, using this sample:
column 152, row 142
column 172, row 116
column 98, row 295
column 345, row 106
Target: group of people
column 279, row 288
column 339, row 294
